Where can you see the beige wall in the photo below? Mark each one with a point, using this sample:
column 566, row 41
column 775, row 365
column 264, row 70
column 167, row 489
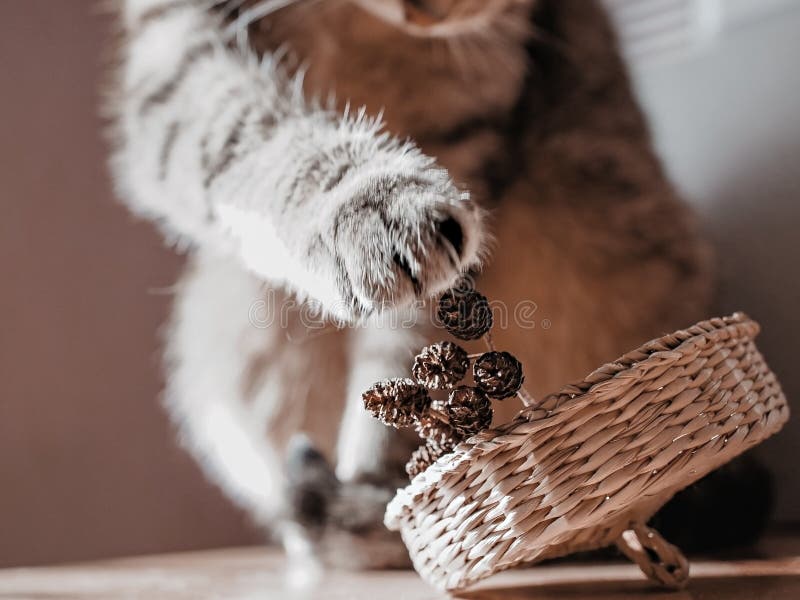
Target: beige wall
column 88, row 466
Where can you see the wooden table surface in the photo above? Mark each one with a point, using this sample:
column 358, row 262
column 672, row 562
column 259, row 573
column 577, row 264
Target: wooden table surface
column 262, row 574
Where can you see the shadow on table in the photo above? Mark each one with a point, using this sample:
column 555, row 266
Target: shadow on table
column 769, row 587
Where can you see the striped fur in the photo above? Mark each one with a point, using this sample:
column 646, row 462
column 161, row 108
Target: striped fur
column 222, row 150
column 213, row 138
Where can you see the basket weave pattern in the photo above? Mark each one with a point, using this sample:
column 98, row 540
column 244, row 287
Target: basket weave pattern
column 589, row 465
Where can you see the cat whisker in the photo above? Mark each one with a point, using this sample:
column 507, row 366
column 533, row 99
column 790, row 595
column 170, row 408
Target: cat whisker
column 230, row 6
column 263, row 9
column 454, row 48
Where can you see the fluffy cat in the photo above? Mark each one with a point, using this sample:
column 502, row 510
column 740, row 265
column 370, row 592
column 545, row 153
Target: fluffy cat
column 241, row 132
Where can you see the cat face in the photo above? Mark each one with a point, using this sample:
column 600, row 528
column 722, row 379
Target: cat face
column 471, row 54
column 434, row 18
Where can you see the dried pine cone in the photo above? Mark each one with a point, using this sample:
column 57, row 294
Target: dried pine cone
column 465, row 313
column 434, row 428
column 422, row 458
column 440, row 366
column 498, row 374
column 468, row 411
column 398, row 402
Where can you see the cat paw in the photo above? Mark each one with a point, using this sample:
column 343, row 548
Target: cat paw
column 334, row 523
column 399, row 238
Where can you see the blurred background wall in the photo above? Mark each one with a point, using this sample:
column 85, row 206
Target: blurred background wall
column 725, row 115
column 88, row 464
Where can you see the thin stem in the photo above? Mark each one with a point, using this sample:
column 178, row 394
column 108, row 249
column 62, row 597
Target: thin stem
column 525, row 397
column 487, row 338
column 438, row 415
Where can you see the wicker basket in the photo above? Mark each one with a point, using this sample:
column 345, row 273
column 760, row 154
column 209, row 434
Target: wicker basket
column 587, row 467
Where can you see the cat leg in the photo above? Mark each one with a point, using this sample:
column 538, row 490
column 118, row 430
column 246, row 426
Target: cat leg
column 241, row 377
column 223, row 150
column 208, row 339
column 371, row 457
column 337, row 515
column 367, row 449
column 338, row 523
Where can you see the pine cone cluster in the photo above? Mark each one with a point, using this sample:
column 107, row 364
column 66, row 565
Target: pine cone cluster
column 498, row 374
column 404, row 402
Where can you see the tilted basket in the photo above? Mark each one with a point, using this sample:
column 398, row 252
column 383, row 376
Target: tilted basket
column 588, row 466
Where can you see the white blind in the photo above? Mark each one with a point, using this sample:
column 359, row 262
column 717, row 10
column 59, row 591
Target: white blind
column 672, row 30
column 664, row 30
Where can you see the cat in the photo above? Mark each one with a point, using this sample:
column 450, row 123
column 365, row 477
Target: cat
column 331, row 162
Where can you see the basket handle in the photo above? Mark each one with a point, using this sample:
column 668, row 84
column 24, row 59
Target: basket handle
column 659, row 560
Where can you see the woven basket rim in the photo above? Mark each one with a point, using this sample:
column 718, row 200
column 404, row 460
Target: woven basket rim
column 461, row 458
column 664, row 347
column 664, row 343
